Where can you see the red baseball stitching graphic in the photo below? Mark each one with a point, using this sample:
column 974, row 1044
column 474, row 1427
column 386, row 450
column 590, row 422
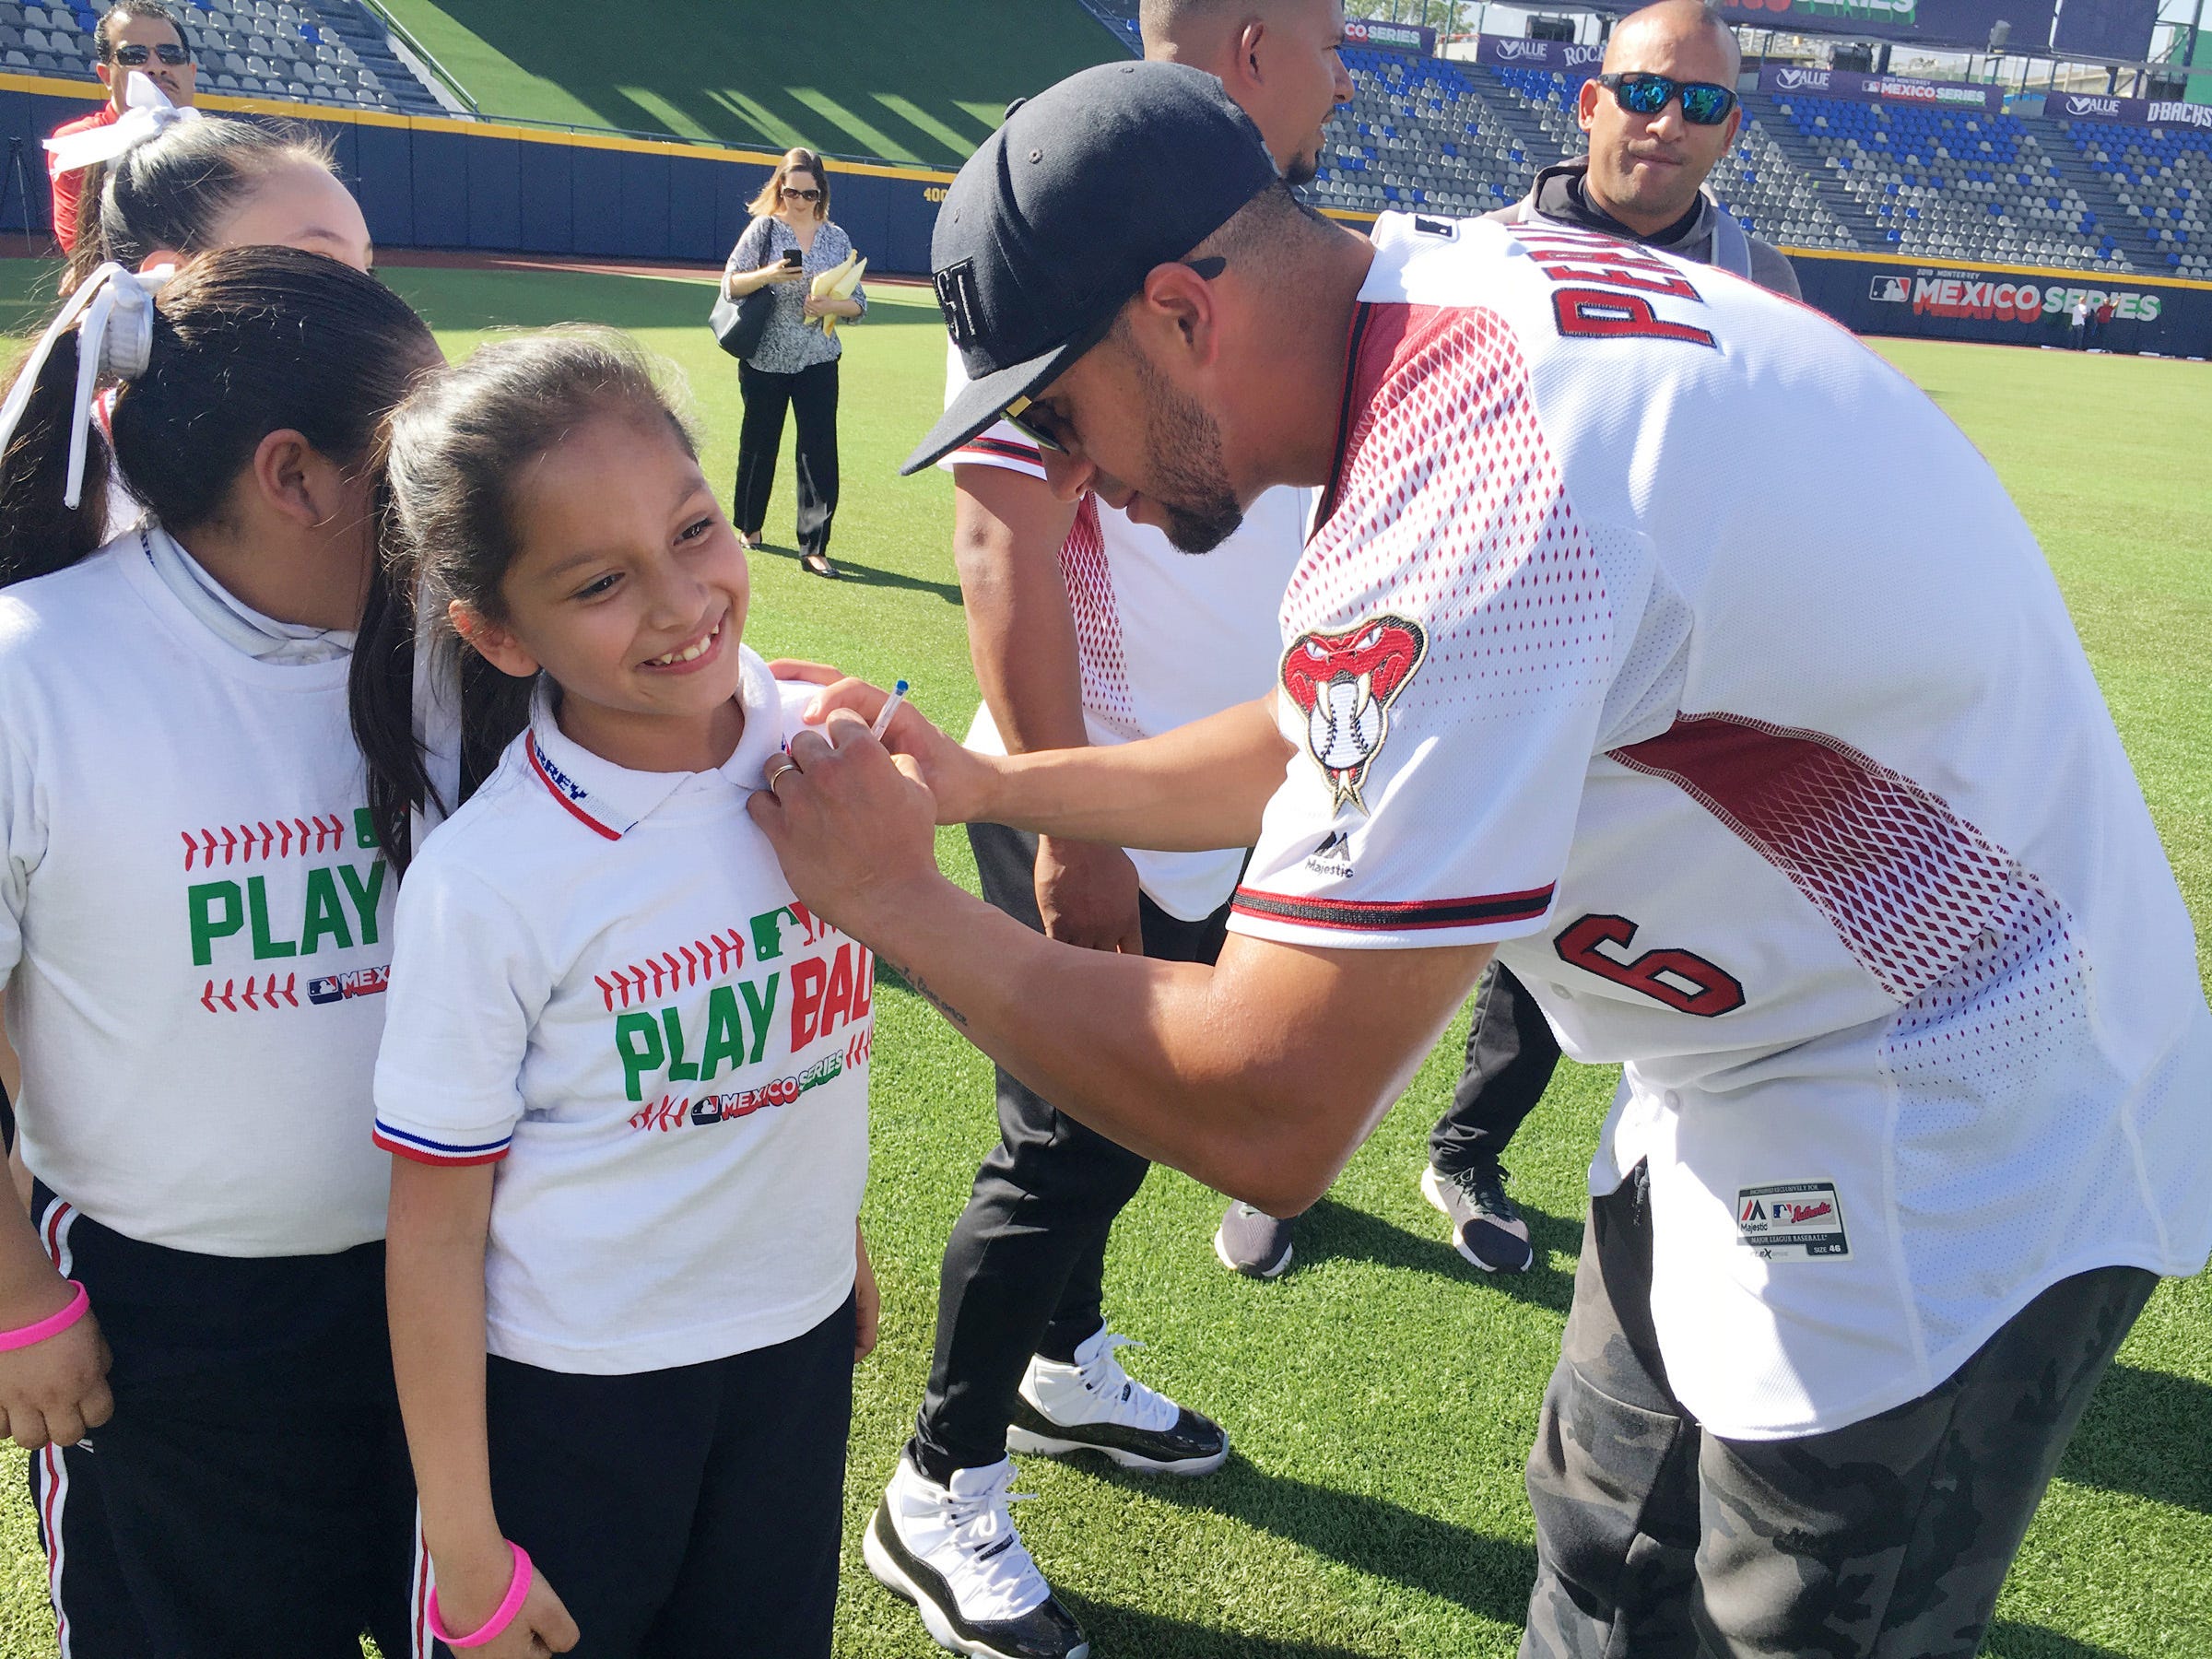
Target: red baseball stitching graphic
column 267, row 997
column 857, row 1050
column 664, row 1116
column 709, row 959
column 244, row 842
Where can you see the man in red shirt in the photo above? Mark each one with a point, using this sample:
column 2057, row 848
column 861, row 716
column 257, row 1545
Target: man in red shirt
column 136, row 36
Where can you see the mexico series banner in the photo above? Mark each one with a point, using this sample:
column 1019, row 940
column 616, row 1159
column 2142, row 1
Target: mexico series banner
column 1782, row 79
column 1391, row 37
column 1892, row 296
column 1561, row 57
column 2135, row 112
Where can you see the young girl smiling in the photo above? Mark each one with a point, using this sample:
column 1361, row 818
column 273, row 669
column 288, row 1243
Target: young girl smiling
column 625, row 1072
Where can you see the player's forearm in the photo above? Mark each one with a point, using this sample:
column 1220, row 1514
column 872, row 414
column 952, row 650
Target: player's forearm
column 434, row 1292
column 1176, row 1060
column 1197, row 787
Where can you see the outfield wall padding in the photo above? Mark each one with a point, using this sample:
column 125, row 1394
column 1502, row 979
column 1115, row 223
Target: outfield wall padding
column 483, row 187
column 2004, row 305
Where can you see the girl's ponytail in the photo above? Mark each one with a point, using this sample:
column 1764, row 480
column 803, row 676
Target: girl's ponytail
column 39, row 533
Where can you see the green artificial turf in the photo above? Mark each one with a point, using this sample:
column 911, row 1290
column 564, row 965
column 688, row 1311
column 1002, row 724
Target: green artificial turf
column 1381, row 1397
column 828, row 74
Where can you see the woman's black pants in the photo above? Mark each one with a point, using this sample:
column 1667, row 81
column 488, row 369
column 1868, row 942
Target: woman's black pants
column 811, row 394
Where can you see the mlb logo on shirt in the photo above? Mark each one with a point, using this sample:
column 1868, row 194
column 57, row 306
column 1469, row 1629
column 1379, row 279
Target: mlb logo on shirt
column 1793, row 1221
column 1892, row 290
column 345, row 987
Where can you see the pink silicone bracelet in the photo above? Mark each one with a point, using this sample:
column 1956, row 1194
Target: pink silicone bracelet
column 53, row 1325
column 518, row 1592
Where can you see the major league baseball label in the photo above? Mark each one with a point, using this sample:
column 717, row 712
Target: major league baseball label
column 1793, row 1221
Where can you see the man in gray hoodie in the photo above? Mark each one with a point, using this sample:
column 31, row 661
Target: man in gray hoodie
column 1643, row 178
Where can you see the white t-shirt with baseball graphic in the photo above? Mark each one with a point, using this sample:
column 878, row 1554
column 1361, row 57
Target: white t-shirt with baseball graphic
column 194, row 919
column 1162, row 637
column 1657, row 630
column 604, row 986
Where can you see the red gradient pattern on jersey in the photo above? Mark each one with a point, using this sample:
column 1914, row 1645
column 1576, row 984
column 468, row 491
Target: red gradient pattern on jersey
column 1089, row 580
column 1916, row 893
column 1448, row 505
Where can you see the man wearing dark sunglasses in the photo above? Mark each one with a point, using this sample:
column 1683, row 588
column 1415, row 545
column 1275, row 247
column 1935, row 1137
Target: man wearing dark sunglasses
column 135, row 36
column 1659, row 117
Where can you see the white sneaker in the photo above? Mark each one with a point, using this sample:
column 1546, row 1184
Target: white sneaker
column 952, row 1551
column 1095, row 1406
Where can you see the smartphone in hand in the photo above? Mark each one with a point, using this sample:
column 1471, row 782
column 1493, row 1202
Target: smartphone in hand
column 793, row 258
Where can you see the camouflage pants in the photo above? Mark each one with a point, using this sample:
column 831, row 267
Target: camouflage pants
column 1887, row 1539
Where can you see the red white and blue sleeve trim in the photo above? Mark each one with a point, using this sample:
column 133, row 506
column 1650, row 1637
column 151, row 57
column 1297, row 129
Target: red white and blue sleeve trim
column 1352, row 915
column 423, row 1150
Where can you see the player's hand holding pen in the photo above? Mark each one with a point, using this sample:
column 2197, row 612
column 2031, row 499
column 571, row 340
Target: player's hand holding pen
column 851, row 824
column 955, row 776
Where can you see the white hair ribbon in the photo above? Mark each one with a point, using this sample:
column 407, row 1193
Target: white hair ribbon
column 146, row 115
column 113, row 312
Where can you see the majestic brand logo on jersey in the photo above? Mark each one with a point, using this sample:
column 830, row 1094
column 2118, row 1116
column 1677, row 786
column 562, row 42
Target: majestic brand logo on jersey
column 1344, row 683
column 1792, row 1221
column 1333, row 856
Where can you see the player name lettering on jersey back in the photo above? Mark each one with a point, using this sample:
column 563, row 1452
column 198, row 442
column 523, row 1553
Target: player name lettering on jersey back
column 1600, row 287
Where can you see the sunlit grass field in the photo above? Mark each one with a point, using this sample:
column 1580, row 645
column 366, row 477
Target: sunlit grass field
column 1381, row 1397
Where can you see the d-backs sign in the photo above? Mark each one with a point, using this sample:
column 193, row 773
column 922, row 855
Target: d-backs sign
column 2135, row 112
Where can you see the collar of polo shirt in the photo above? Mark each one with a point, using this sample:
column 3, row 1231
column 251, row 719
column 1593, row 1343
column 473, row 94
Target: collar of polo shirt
column 613, row 800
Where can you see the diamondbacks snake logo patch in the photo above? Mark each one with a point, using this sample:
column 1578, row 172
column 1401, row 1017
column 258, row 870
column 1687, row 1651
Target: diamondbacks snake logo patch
column 1344, row 683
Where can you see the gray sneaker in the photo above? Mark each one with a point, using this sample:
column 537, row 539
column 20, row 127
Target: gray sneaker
column 1253, row 1242
column 1485, row 1227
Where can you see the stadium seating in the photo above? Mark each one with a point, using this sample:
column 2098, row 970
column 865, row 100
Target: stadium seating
column 330, row 52
column 2159, row 181
column 1807, row 172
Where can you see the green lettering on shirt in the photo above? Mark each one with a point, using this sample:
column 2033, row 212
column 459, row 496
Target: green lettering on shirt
column 638, row 1041
column 364, row 896
column 680, row 1070
column 257, row 906
column 217, row 912
column 761, row 1011
column 325, row 914
column 725, row 1033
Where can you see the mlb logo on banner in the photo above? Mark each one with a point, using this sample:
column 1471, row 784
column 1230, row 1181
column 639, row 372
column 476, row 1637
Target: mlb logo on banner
column 1892, row 290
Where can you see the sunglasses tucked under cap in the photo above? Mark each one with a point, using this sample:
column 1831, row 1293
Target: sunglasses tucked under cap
column 1025, row 277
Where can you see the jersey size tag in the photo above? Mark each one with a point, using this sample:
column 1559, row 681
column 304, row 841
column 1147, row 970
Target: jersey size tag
column 1793, row 1221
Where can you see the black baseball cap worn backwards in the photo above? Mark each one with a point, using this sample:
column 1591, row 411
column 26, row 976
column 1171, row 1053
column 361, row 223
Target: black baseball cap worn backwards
column 1056, row 222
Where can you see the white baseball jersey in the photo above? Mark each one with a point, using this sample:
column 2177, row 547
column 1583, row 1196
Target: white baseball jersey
column 1655, row 628
column 1162, row 638
column 605, row 984
column 194, row 919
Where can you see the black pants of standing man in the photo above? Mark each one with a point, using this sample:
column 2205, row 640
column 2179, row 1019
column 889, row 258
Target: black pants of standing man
column 1511, row 1057
column 1025, row 1267
column 811, row 395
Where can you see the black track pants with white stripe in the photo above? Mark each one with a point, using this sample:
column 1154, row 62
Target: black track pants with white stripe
column 250, row 1499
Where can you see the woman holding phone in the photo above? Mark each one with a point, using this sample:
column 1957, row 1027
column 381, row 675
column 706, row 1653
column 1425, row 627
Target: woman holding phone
column 790, row 242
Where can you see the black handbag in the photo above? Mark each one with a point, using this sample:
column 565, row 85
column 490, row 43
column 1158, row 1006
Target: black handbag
column 740, row 323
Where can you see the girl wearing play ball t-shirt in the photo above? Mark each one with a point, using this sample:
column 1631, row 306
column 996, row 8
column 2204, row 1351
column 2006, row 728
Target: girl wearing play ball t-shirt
column 625, row 1072
column 194, row 929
